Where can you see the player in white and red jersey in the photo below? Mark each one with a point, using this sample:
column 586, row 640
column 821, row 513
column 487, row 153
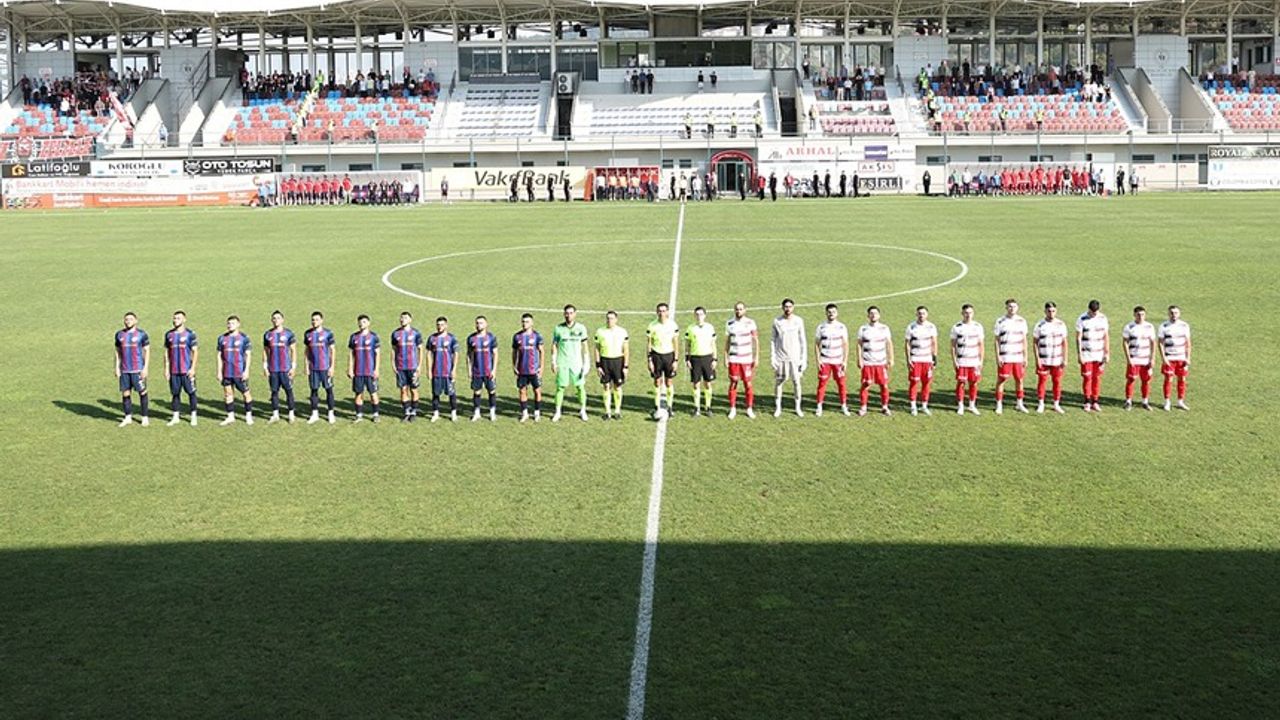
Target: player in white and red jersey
column 1139, row 352
column 1175, row 354
column 875, row 357
column 831, row 342
column 968, row 351
column 1011, row 353
column 1050, row 335
column 1093, row 347
column 922, row 356
column 741, row 354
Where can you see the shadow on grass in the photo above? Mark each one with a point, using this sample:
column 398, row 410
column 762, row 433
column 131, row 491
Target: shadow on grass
column 525, row 629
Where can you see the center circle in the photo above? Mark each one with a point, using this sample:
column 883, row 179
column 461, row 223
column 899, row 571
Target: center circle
column 963, row 270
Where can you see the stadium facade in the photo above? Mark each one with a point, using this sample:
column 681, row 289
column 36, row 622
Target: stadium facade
column 1182, row 93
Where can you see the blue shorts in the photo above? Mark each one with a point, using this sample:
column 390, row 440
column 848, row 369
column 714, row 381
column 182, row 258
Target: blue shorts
column 406, row 379
column 320, row 379
column 133, row 381
column 182, row 383
column 533, row 381
column 234, row 382
column 484, row 383
column 442, row 386
column 364, row 383
column 279, row 380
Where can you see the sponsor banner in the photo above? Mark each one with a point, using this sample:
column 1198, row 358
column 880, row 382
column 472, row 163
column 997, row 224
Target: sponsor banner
column 1244, row 167
column 495, row 183
column 229, row 166
column 45, row 168
column 105, row 192
column 830, row 150
column 24, row 149
column 135, row 168
column 873, row 176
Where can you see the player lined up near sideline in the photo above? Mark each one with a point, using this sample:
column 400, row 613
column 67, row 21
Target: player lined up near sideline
column 437, row 354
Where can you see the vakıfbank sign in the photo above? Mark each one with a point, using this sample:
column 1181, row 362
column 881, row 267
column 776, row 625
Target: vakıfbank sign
column 495, row 183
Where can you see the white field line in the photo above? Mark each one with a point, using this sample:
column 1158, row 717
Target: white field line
column 644, row 609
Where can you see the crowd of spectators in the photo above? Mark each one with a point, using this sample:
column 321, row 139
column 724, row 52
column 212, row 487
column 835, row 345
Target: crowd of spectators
column 287, row 85
column 1035, row 180
column 962, row 79
column 87, row 91
column 859, row 84
column 332, row 190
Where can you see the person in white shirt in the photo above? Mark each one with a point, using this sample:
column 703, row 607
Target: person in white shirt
column 1093, row 347
column 922, row 356
column 875, row 357
column 1050, row 335
column 832, row 345
column 741, row 355
column 789, row 356
column 1011, row 353
column 968, row 351
column 1175, row 355
column 1139, row 352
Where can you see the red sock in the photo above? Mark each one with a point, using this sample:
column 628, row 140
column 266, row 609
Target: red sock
column 884, row 396
column 1000, row 392
column 973, row 392
column 733, row 395
column 1146, row 390
column 1182, row 388
column 862, row 394
column 960, row 393
column 843, row 386
column 926, row 386
column 1168, row 386
column 751, row 396
column 911, row 390
column 1128, row 389
column 1021, row 393
column 1057, row 390
column 822, row 388
column 1041, row 381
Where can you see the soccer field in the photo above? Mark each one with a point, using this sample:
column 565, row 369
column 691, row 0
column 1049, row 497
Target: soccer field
column 1120, row 564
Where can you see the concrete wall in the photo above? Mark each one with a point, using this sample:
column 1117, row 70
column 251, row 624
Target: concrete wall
column 52, row 64
column 1158, row 116
column 438, row 57
column 1162, row 56
column 1196, row 115
column 912, row 52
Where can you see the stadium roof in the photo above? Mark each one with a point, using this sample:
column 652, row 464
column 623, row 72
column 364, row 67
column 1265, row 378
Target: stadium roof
column 42, row 19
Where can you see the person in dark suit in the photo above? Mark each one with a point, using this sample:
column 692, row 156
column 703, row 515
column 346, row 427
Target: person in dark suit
column 773, row 187
column 826, row 184
column 815, row 188
column 844, row 184
column 925, row 181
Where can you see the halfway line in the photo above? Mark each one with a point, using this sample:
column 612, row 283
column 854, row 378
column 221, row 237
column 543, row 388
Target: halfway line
column 644, row 611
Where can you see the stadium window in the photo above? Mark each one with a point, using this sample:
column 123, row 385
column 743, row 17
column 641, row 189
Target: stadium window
column 937, row 159
column 463, row 164
column 314, row 169
column 561, row 163
column 360, row 167
column 1184, row 157
column 526, row 163
column 686, row 164
column 990, row 158
column 1144, row 158
column 1041, row 158
column 411, row 166
column 668, row 164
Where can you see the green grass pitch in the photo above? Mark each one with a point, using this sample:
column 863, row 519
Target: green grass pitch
column 1117, row 565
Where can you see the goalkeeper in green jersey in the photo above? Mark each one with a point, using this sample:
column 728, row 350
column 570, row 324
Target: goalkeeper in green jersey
column 569, row 359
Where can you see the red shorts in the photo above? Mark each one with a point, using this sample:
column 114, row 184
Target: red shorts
column 1053, row 371
column 1017, row 371
column 741, row 371
column 1175, row 367
column 968, row 374
column 1139, row 372
column 875, row 375
column 920, row 371
column 826, row 371
column 1091, row 369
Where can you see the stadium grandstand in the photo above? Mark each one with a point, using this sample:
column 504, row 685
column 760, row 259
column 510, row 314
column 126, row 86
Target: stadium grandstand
column 728, row 88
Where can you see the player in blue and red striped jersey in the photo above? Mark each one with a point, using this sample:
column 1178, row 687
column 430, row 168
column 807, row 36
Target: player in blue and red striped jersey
column 443, row 347
column 526, row 363
column 234, row 349
column 482, row 359
column 320, row 361
column 363, row 366
column 180, row 356
column 279, row 362
column 406, row 350
column 133, row 360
